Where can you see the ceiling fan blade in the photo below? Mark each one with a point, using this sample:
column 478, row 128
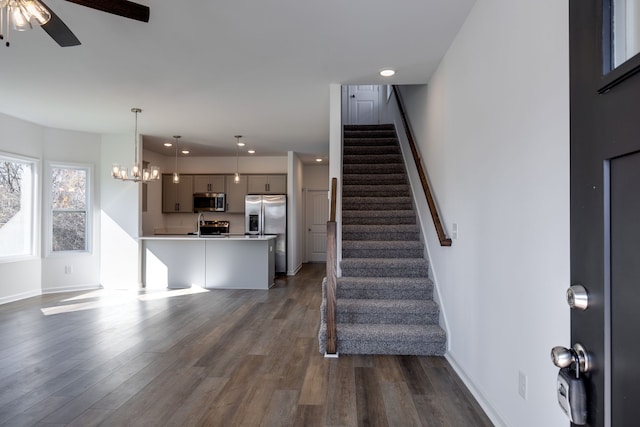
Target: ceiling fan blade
column 123, row 8
column 59, row 31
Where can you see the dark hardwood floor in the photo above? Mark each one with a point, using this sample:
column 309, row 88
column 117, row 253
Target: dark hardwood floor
column 219, row 358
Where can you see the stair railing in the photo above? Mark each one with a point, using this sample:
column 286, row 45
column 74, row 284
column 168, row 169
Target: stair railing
column 444, row 240
column 332, row 272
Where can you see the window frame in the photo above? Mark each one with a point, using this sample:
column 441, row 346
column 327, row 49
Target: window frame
column 34, row 251
column 49, row 252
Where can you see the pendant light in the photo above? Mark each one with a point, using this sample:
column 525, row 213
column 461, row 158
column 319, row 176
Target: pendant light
column 236, row 176
column 176, row 176
column 150, row 173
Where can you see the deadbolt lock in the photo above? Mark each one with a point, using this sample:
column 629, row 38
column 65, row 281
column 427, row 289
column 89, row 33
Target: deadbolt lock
column 577, row 297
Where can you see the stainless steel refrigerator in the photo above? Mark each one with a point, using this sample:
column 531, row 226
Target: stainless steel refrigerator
column 267, row 214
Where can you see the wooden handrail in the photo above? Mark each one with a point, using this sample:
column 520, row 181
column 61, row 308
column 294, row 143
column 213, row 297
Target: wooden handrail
column 444, row 240
column 332, row 273
column 334, row 190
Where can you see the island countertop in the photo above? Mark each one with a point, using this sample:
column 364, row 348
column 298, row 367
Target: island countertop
column 233, row 261
column 235, row 237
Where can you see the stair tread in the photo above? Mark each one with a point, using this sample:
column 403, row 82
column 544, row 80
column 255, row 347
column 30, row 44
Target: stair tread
column 384, row 282
column 361, row 305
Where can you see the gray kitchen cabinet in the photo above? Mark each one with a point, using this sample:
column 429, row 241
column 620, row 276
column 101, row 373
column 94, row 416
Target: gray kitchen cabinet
column 235, row 194
column 209, row 184
column 267, row 184
column 177, row 198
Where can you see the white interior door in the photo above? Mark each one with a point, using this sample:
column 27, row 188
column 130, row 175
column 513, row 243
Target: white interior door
column 317, row 210
column 364, row 101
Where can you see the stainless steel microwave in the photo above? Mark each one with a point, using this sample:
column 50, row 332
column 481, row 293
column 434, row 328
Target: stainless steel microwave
column 209, row 202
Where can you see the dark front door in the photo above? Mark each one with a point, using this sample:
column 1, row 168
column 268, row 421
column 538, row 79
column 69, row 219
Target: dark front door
column 605, row 203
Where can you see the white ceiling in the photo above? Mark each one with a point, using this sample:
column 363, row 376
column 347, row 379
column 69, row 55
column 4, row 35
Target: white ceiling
column 208, row 69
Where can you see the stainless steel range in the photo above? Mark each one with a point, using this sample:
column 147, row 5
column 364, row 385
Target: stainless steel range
column 212, row 228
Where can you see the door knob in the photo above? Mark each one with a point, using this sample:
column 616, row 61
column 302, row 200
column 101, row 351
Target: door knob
column 353, row 96
column 577, row 297
column 563, row 357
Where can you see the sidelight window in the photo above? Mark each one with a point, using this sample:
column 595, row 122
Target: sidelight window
column 624, row 30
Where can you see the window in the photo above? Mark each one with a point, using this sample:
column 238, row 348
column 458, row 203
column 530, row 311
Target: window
column 625, row 29
column 69, row 218
column 17, row 206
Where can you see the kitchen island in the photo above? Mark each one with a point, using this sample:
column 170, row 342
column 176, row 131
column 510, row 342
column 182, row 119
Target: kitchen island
column 220, row 262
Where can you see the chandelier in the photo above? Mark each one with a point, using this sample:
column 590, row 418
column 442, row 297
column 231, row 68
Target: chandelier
column 19, row 15
column 144, row 174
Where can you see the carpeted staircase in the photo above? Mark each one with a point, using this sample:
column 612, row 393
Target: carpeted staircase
column 384, row 297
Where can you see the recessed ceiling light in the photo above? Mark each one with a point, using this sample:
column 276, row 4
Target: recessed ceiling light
column 251, row 151
column 387, row 72
column 168, row 144
column 318, row 160
column 185, row 151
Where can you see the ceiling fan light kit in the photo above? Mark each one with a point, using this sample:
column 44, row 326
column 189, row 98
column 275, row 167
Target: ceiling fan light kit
column 20, row 15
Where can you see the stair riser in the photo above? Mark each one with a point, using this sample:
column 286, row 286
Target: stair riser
column 361, row 204
column 368, row 159
column 410, row 294
column 369, row 134
column 365, row 178
column 385, row 272
column 393, row 168
column 375, row 193
column 378, row 221
column 380, row 236
column 379, row 318
column 391, row 253
column 371, row 149
column 392, row 347
column 386, row 126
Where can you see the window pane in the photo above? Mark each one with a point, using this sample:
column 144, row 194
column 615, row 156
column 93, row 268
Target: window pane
column 69, row 188
column 625, row 30
column 16, row 207
column 69, row 208
column 69, row 231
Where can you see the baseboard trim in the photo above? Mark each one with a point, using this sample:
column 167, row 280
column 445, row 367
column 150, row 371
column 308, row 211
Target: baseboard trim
column 295, row 271
column 486, row 407
column 85, row 287
column 20, row 296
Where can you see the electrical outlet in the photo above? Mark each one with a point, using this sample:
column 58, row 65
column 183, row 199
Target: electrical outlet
column 454, row 230
column 67, row 269
column 522, row 385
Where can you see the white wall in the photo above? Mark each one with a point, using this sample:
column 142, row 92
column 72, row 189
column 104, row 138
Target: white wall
column 21, row 279
column 120, row 217
column 493, row 128
column 315, row 177
column 45, row 272
column 295, row 219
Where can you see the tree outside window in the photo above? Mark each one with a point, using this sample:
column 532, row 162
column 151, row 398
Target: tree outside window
column 69, row 213
column 17, row 177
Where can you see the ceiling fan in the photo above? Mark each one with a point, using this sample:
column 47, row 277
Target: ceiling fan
column 62, row 35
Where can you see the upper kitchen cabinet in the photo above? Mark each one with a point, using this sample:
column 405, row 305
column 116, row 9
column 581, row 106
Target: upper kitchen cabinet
column 177, row 198
column 267, row 184
column 235, row 194
column 209, row 184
